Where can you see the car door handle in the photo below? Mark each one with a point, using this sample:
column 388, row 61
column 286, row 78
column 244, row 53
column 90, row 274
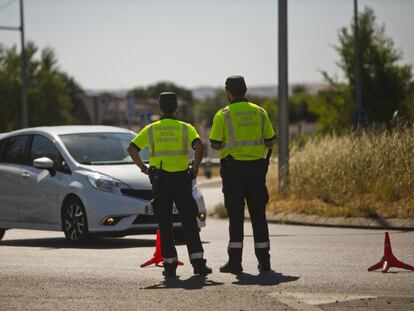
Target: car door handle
column 25, row 174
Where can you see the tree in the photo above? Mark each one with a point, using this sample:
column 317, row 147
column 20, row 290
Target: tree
column 332, row 106
column 271, row 107
column 185, row 97
column 153, row 91
column 76, row 95
column 298, row 105
column 410, row 103
column 204, row 110
column 385, row 83
column 49, row 102
column 9, row 89
column 48, row 93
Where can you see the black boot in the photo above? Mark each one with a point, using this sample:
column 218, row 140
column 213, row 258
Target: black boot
column 233, row 265
column 200, row 267
column 169, row 270
column 230, row 267
column 263, row 257
column 264, row 267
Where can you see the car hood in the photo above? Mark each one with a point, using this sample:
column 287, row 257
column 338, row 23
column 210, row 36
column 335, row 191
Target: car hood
column 127, row 173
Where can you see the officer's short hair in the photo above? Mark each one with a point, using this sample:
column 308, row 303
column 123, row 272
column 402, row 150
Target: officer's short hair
column 236, row 86
column 168, row 102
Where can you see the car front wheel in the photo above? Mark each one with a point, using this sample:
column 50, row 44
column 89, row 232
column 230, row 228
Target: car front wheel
column 75, row 225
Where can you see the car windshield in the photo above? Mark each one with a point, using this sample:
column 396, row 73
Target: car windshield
column 101, row 148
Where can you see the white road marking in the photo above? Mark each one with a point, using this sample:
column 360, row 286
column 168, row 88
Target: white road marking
column 296, row 303
column 310, row 301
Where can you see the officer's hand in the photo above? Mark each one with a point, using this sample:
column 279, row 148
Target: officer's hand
column 145, row 170
column 194, row 172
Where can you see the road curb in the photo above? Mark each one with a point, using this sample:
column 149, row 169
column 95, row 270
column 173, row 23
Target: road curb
column 344, row 222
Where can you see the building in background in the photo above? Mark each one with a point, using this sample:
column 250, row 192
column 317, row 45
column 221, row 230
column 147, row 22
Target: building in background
column 124, row 110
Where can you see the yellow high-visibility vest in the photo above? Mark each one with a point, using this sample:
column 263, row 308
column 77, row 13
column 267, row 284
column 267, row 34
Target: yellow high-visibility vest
column 168, row 142
column 242, row 127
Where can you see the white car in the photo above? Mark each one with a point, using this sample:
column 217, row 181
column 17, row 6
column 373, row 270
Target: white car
column 79, row 180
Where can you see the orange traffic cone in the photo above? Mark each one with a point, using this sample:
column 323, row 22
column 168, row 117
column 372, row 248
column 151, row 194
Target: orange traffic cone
column 389, row 260
column 157, row 257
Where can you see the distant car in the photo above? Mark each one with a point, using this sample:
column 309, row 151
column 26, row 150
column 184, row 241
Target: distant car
column 79, row 180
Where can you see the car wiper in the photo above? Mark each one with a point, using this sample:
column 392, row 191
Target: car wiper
column 123, row 162
column 106, row 162
column 111, row 163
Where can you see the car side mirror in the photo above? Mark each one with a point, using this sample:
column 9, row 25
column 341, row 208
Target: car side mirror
column 43, row 163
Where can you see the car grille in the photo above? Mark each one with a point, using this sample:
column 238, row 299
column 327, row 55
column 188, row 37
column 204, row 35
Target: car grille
column 150, row 219
column 138, row 193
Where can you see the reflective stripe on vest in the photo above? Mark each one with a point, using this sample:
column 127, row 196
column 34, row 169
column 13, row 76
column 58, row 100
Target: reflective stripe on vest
column 232, row 142
column 160, row 153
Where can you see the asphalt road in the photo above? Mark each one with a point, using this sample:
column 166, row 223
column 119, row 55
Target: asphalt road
column 314, row 269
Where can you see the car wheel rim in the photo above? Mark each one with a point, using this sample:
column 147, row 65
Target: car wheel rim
column 74, row 222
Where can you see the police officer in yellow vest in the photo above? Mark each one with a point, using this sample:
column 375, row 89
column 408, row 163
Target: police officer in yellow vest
column 168, row 141
column 242, row 131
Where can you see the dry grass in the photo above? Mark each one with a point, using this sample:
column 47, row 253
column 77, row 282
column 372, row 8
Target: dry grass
column 371, row 175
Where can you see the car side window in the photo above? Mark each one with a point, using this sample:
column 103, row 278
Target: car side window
column 43, row 147
column 14, row 150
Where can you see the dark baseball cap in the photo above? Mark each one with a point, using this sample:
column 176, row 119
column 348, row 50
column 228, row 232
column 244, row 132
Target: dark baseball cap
column 168, row 98
column 236, row 84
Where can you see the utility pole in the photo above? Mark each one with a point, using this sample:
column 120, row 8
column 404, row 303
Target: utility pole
column 23, row 68
column 25, row 112
column 358, row 80
column 283, row 97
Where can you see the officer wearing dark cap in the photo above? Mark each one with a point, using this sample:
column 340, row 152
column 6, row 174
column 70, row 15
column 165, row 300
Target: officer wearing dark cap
column 168, row 141
column 242, row 131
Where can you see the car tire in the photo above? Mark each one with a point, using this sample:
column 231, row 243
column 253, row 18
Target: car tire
column 179, row 237
column 74, row 220
column 2, row 231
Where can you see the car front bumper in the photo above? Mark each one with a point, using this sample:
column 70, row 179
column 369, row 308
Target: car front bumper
column 130, row 215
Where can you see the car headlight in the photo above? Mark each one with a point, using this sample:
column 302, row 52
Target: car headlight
column 106, row 183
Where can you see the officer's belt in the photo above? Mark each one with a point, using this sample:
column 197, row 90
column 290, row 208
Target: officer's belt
column 241, row 162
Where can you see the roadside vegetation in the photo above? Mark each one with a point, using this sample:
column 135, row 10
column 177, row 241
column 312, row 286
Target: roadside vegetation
column 219, row 211
column 352, row 174
column 54, row 97
column 367, row 175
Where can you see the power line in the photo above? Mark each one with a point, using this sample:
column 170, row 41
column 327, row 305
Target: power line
column 7, row 4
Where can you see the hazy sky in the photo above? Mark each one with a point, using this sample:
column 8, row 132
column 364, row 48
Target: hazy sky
column 112, row 44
